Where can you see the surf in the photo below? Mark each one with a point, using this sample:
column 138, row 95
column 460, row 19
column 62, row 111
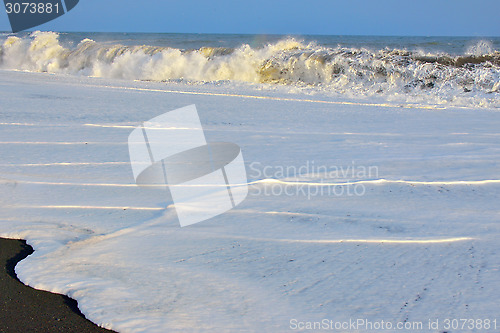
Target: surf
column 468, row 79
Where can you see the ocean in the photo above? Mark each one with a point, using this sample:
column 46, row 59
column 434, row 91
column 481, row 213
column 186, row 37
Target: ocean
column 459, row 71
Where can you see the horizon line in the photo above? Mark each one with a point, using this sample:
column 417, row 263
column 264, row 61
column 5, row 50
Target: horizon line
column 251, row 34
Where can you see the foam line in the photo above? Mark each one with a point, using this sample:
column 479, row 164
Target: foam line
column 276, row 181
column 285, row 99
column 64, row 164
column 380, row 181
column 407, row 240
column 71, row 143
column 366, row 241
column 88, row 207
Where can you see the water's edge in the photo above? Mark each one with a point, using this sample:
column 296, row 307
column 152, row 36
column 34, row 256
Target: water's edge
column 23, row 308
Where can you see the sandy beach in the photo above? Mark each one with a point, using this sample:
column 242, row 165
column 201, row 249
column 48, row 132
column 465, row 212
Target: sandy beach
column 23, row 309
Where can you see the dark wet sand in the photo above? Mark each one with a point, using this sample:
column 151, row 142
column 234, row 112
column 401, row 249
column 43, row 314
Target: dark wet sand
column 24, row 309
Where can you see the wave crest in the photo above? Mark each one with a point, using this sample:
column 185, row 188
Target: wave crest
column 472, row 79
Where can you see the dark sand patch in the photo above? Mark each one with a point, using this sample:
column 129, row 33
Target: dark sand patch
column 24, row 309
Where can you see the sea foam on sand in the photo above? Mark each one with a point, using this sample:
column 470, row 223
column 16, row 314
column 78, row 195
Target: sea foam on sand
column 417, row 240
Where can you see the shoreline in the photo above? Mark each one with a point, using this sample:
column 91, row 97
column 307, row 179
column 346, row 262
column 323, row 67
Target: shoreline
column 23, row 308
column 284, row 252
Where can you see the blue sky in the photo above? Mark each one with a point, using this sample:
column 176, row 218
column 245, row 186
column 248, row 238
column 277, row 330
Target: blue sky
column 347, row 17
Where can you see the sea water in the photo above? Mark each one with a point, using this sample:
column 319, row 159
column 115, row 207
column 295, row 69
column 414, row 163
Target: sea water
column 460, row 71
column 416, row 241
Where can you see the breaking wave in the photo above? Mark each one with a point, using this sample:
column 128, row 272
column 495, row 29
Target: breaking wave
column 472, row 79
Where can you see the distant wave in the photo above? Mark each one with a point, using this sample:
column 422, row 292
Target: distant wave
column 472, row 79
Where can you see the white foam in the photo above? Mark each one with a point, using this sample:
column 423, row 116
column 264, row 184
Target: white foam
column 422, row 246
column 396, row 75
column 480, row 48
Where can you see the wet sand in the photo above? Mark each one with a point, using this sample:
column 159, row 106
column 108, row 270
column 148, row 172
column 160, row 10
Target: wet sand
column 24, row 309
